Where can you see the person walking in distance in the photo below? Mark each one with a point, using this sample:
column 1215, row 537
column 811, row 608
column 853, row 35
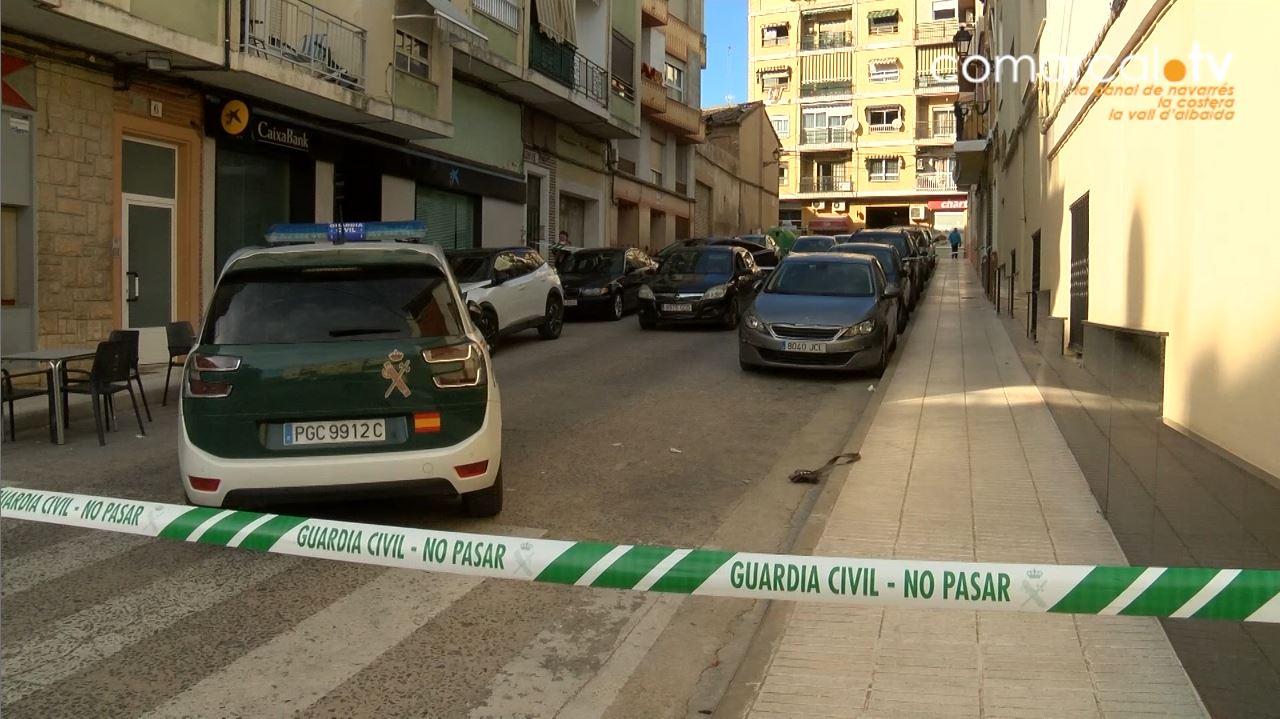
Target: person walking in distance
column 954, row 239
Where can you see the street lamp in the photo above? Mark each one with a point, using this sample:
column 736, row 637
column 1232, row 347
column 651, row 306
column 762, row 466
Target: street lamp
column 962, row 40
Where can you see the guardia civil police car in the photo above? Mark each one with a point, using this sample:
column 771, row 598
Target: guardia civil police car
column 340, row 360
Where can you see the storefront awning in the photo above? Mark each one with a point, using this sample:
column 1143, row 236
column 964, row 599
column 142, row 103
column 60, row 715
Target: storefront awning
column 892, row 61
column 454, row 22
column 771, row 25
column 556, row 19
column 774, row 69
column 882, row 14
column 898, row 158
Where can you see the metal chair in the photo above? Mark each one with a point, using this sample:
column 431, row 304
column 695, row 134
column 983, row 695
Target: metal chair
column 181, row 339
column 110, row 373
column 10, row 394
column 130, row 337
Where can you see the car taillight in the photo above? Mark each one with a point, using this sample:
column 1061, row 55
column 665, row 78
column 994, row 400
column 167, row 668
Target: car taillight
column 201, row 364
column 456, row 365
column 475, row 469
column 204, row 484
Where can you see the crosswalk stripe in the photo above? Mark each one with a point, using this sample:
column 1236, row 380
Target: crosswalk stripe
column 58, row 560
column 76, row 642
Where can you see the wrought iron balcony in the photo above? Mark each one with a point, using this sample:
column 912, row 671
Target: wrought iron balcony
column 826, row 89
column 826, row 40
column 935, row 181
column 300, row 34
column 826, row 184
column 568, row 67
column 825, row 136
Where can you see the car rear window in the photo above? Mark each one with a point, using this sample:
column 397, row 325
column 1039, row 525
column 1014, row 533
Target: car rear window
column 822, row 277
column 812, row 244
column 883, row 253
column 886, row 238
column 331, row 304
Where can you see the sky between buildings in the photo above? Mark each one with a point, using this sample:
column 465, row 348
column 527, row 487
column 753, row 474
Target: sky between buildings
column 726, row 73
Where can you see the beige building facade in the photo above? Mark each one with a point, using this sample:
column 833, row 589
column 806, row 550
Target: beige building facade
column 861, row 94
column 1121, row 210
column 736, row 173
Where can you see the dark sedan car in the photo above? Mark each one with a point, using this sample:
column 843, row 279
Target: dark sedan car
column 907, row 249
column 894, row 271
column 812, row 243
column 830, row 311
column 765, row 253
column 604, row 281
column 699, row 284
column 923, row 239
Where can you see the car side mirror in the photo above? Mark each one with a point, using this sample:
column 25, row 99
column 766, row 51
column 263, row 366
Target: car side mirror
column 892, row 292
column 476, row 313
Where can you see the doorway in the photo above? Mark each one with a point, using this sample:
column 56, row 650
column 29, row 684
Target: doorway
column 149, row 198
column 878, row 217
column 1034, row 310
column 1079, row 273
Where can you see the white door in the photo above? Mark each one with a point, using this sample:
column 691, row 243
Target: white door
column 150, row 189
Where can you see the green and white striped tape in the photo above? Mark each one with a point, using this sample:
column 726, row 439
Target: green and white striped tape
column 1251, row 595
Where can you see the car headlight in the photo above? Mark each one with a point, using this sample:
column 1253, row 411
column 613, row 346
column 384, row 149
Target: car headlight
column 715, row 293
column 645, row 292
column 594, row 291
column 862, row 328
column 753, row 322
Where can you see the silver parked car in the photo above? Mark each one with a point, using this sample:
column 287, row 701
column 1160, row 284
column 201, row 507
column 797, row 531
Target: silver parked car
column 821, row 311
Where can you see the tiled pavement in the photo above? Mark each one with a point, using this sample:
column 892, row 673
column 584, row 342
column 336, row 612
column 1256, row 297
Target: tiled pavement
column 963, row 461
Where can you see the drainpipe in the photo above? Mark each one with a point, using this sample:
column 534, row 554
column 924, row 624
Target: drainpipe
column 226, row 34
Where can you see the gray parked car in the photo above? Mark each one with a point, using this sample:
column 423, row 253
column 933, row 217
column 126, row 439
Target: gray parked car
column 830, row 311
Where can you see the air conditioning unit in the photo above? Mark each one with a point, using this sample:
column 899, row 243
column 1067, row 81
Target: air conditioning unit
column 918, row 212
column 819, row 205
column 838, row 206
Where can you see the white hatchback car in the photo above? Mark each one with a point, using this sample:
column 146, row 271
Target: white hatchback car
column 509, row 290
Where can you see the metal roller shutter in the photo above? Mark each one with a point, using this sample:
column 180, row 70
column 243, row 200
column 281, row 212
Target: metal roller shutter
column 450, row 218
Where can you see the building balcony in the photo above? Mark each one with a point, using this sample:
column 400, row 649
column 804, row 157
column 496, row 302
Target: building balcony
column 935, row 182
column 826, row 41
column 683, row 120
column 927, row 83
column 826, row 89
column 825, row 136
column 568, row 67
column 653, row 13
column 653, row 96
column 937, row 132
column 812, row 185
column 296, row 33
column 936, row 33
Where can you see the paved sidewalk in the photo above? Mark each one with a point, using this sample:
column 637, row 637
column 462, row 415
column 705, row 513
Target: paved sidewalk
column 964, row 462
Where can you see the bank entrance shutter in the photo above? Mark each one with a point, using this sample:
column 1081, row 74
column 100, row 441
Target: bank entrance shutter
column 450, row 218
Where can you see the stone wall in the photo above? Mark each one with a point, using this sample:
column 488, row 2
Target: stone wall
column 74, row 147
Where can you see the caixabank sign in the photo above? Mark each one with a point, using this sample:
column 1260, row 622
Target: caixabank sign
column 235, row 120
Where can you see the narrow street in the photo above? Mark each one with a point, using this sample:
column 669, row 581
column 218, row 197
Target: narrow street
column 610, row 434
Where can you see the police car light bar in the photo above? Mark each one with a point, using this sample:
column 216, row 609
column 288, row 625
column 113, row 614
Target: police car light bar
column 342, row 232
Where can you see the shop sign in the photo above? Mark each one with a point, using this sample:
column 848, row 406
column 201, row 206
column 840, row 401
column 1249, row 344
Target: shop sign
column 235, row 119
column 948, row 205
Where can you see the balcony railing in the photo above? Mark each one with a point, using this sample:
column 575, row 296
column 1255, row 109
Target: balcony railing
column 935, row 181
column 622, row 88
column 683, row 119
column 939, row 31
column 653, row 12
column 936, row 130
column 776, row 41
column 505, row 12
column 653, row 95
column 885, row 127
column 302, row 35
column 825, row 136
column 826, row 40
column 826, row 184
column 569, row 68
column 825, row 89
column 929, row 80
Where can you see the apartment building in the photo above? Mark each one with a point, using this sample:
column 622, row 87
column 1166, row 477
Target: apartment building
column 654, row 173
column 1097, row 209
column 147, row 141
column 862, row 95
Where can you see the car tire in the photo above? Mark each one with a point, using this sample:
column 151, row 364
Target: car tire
column 616, row 308
column 730, row 320
column 485, row 502
column 883, row 363
column 489, row 328
column 647, row 323
column 553, row 320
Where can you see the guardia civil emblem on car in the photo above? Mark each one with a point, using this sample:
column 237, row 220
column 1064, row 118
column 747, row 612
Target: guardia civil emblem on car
column 394, row 369
column 281, row 398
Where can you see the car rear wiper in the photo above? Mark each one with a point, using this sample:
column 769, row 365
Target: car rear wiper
column 353, row 331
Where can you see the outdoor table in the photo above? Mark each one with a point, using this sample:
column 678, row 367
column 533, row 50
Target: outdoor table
column 55, row 359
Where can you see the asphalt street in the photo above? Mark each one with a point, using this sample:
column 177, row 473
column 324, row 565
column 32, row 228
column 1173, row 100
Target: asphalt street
column 611, row 434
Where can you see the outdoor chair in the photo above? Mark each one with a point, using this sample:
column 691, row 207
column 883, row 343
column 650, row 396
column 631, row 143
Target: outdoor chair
column 131, row 338
column 110, row 373
column 181, row 339
column 11, row 394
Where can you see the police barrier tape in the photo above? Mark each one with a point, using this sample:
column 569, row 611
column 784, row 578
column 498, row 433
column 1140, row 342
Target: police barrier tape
column 1233, row 594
